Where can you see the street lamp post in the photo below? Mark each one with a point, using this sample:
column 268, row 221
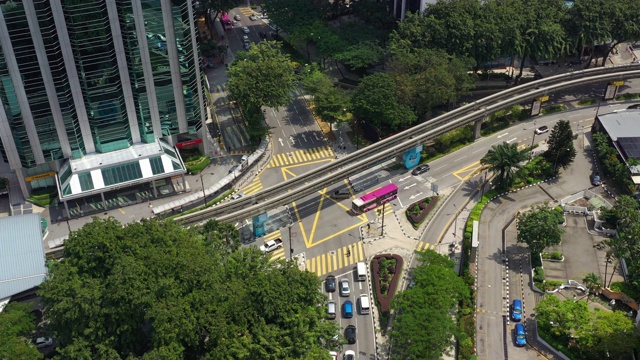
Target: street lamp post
column 290, row 246
column 204, row 195
column 455, row 226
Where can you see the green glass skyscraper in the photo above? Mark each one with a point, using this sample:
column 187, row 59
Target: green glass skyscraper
column 94, row 94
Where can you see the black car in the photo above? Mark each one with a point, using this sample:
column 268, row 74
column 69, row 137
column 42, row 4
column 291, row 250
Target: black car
column 420, row 169
column 330, row 283
column 350, row 334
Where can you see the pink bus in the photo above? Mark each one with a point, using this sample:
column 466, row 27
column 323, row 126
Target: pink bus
column 374, row 199
column 226, row 22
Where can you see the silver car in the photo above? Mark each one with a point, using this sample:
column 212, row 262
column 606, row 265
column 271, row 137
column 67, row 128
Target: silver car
column 344, row 287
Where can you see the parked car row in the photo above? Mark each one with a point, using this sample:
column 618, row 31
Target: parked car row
column 516, row 315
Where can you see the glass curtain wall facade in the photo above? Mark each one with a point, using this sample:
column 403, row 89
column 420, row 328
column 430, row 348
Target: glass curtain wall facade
column 94, row 76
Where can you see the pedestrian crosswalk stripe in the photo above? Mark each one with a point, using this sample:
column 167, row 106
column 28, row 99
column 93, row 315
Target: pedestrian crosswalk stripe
column 253, row 187
column 423, row 245
column 301, row 156
column 336, row 260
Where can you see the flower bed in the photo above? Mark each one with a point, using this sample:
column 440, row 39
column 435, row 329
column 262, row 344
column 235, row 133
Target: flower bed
column 386, row 271
column 418, row 211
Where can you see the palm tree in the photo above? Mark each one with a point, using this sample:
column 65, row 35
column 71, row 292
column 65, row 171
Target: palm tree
column 592, row 283
column 504, row 161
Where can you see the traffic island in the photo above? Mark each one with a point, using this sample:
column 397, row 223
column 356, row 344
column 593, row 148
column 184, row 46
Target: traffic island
column 418, row 211
column 386, row 271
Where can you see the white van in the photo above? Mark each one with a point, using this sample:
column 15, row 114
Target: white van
column 365, row 307
column 361, row 271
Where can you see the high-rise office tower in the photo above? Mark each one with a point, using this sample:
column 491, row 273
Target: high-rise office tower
column 95, row 94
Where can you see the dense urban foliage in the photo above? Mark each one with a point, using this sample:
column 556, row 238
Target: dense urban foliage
column 156, row 290
column 595, row 334
column 505, row 162
column 423, row 327
column 16, row 327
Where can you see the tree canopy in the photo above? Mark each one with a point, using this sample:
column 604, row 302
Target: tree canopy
column 156, row 290
column 598, row 334
column 423, row 327
column 539, row 228
column 262, row 76
column 16, row 326
column 561, row 151
column 375, row 103
column 504, row 160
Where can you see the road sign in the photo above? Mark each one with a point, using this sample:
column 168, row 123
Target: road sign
column 617, row 83
column 543, row 98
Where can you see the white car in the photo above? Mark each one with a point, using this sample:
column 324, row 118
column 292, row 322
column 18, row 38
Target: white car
column 43, row 342
column 245, row 38
column 542, row 129
column 253, row 17
column 271, row 245
column 334, row 355
column 344, row 287
column 245, row 29
column 349, row 355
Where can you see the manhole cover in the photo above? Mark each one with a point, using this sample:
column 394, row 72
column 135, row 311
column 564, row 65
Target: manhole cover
column 332, row 253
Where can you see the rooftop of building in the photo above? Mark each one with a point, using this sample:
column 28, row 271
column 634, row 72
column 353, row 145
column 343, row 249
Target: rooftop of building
column 621, row 124
column 22, row 258
column 99, row 172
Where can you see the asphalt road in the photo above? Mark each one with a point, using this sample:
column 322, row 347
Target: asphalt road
column 363, row 323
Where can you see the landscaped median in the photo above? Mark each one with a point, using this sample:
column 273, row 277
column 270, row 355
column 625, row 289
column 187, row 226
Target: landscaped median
column 418, row 211
column 385, row 270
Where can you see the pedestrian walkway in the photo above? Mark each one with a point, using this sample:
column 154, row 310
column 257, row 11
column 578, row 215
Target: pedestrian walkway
column 252, row 187
column 301, row 156
column 336, row 259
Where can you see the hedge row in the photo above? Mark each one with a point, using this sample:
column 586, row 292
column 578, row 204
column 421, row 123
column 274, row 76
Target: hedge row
column 416, row 220
column 384, row 301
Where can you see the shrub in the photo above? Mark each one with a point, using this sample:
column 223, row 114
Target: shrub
column 195, row 166
column 551, row 285
column 554, row 108
column 586, row 101
column 418, row 211
column 44, row 197
column 538, row 274
column 629, row 96
column 383, row 292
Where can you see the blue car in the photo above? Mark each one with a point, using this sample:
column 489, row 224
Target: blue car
column 516, row 310
column 521, row 338
column 347, row 309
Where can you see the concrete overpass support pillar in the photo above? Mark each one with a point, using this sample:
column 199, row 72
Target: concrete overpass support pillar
column 476, row 128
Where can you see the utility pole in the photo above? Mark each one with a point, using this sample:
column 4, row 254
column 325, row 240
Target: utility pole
column 290, row 248
column 382, row 228
column 204, row 195
column 455, row 226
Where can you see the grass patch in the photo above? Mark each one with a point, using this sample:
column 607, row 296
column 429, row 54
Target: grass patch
column 44, row 197
column 209, row 204
column 554, row 109
column 197, row 163
column 629, row 96
column 586, row 101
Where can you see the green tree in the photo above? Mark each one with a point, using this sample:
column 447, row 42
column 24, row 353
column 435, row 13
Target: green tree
column 262, row 76
column 561, row 151
column 561, row 317
column 540, row 228
column 375, row 103
column 592, row 282
column 423, row 327
column 361, row 56
column 156, row 290
column 314, row 81
column 607, row 334
column 292, row 15
column 504, row 160
column 541, row 35
column 331, row 104
column 429, row 78
column 625, row 19
column 589, row 23
column 16, row 326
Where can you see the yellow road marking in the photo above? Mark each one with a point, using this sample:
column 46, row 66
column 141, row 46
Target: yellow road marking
column 467, row 169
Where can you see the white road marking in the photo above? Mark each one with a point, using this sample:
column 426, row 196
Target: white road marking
column 460, row 158
column 505, row 134
column 512, row 140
